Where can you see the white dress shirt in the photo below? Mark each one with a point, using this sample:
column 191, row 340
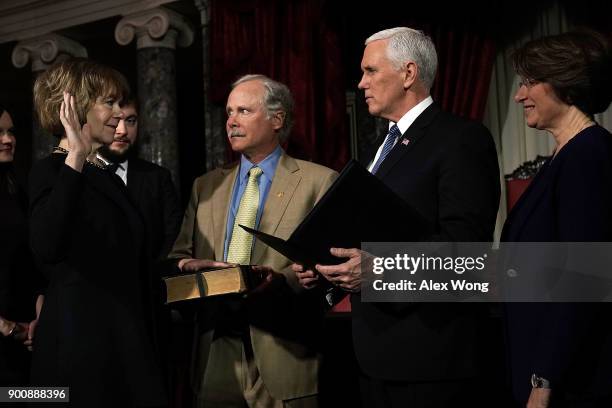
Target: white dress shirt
column 403, row 124
column 122, row 171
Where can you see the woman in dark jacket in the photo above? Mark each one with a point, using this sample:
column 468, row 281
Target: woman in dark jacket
column 18, row 280
column 564, row 349
column 95, row 333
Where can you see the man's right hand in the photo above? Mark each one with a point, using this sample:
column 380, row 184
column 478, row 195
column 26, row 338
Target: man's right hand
column 307, row 278
column 195, row 265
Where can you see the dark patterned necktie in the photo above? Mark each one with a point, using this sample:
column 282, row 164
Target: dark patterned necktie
column 394, row 133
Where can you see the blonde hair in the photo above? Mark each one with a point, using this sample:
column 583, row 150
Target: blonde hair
column 86, row 80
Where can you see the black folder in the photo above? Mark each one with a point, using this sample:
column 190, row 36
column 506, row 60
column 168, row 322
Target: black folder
column 358, row 207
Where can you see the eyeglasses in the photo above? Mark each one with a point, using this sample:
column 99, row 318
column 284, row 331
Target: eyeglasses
column 131, row 121
column 528, row 83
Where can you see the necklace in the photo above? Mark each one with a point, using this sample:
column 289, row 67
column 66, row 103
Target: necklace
column 95, row 164
column 60, row 149
column 65, row 151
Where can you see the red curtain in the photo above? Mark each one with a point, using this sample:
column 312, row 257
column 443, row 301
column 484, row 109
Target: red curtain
column 292, row 42
column 298, row 43
column 465, row 64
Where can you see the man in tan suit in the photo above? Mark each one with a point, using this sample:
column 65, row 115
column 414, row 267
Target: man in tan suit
column 258, row 351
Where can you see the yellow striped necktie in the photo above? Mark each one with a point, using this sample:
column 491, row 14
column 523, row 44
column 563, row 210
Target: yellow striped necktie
column 241, row 242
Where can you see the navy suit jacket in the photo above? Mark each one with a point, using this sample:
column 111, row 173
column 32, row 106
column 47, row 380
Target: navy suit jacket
column 447, row 170
column 570, row 344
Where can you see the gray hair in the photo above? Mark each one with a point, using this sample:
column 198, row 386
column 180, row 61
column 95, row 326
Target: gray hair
column 277, row 98
column 407, row 44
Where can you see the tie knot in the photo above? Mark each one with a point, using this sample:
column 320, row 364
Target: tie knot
column 255, row 172
column 387, row 146
column 394, row 132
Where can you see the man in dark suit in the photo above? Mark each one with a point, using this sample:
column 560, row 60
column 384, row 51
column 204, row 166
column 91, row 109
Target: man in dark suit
column 150, row 186
column 151, row 190
column 414, row 355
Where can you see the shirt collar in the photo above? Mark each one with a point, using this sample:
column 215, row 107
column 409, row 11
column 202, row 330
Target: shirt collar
column 409, row 117
column 267, row 165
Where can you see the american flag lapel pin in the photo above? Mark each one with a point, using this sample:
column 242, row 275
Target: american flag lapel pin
column 405, row 142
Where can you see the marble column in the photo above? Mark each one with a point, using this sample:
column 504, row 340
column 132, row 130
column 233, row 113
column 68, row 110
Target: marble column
column 43, row 52
column 214, row 116
column 157, row 33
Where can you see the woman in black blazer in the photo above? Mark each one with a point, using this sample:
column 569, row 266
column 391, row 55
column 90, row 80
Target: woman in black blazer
column 19, row 282
column 95, row 333
column 564, row 349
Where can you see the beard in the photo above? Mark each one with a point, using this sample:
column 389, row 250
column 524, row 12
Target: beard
column 114, row 156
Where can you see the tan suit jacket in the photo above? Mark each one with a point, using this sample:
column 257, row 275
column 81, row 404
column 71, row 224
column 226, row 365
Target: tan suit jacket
column 287, row 365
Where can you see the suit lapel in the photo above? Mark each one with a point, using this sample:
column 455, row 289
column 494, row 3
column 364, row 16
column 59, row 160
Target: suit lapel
column 221, row 206
column 284, row 183
column 408, row 140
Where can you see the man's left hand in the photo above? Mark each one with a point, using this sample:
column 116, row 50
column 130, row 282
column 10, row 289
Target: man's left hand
column 347, row 275
column 539, row 398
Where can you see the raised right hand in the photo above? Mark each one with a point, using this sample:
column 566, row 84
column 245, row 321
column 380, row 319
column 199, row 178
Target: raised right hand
column 79, row 138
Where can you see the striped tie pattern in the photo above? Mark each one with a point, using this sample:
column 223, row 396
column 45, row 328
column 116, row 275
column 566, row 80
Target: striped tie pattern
column 394, row 133
column 241, row 242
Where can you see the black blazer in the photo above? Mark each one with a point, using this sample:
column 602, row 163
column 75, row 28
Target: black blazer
column 569, row 200
column 151, row 188
column 95, row 329
column 448, row 171
column 19, row 282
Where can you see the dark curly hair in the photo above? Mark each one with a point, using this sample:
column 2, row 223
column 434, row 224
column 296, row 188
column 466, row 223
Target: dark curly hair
column 576, row 64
